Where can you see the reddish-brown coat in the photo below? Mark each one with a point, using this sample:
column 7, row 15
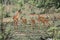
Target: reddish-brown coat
column 24, row 20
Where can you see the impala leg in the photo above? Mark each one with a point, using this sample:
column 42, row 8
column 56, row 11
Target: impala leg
column 33, row 26
column 16, row 25
column 24, row 26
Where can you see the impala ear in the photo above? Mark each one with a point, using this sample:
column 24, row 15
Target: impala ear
column 19, row 10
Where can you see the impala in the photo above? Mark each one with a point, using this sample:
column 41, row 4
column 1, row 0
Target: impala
column 16, row 17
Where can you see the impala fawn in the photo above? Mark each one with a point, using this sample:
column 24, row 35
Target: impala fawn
column 43, row 20
column 33, row 23
column 24, row 21
column 15, row 18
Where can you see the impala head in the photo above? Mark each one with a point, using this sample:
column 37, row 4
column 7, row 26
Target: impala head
column 20, row 11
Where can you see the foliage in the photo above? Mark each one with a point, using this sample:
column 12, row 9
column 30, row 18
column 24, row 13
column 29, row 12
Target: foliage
column 6, row 15
column 53, row 31
column 38, row 3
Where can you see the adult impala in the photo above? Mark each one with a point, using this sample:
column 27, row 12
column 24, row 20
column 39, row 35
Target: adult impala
column 16, row 18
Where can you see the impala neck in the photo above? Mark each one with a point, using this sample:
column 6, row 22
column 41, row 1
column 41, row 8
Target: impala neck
column 17, row 13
